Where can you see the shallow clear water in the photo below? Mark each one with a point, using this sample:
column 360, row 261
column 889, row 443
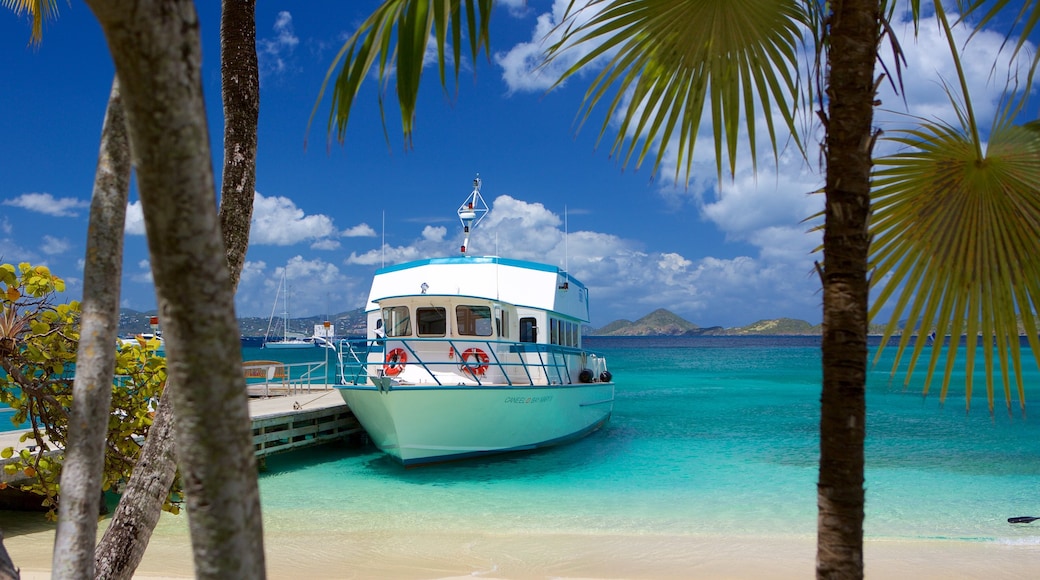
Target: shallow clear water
column 710, row 435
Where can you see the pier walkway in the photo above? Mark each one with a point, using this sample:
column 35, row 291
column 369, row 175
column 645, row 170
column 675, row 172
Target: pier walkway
column 283, row 423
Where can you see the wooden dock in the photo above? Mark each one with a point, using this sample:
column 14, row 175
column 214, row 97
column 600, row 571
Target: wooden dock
column 280, row 424
column 285, row 423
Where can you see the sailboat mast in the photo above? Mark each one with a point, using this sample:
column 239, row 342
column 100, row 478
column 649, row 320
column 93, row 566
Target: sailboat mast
column 285, row 314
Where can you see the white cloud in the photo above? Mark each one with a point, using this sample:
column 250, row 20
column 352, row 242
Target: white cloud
column 134, row 219
column 145, row 275
column 316, row 287
column 274, row 52
column 434, row 233
column 12, row 252
column 523, row 66
column 386, row 255
column 326, row 244
column 986, row 68
column 252, row 271
column 517, row 8
column 359, row 231
column 278, row 222
column 46, row 203
column 53, row 246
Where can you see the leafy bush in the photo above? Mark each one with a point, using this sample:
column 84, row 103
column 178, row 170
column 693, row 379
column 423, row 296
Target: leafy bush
column 38, row 343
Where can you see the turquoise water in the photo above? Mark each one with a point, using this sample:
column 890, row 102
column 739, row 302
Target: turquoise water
column 709, row 435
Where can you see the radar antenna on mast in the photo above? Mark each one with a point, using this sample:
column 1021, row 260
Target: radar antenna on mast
column 472, row 211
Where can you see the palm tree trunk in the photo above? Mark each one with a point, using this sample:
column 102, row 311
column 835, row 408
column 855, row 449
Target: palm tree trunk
column 120, row 550
column 156, row 49
column 240, row 85
column 854, row 28
column 84, row 463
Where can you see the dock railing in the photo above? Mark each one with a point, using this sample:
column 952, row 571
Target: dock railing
column 268, row 378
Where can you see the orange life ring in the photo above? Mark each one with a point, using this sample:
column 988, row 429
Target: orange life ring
column 480, row 362
column 395, row 361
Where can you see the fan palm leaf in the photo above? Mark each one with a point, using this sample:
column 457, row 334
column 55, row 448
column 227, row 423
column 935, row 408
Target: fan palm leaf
column 956, row 229
column 957, row 238
column 668, row 58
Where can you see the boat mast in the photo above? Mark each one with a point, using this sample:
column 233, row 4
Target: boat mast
column 285, row 314
column 472, row 211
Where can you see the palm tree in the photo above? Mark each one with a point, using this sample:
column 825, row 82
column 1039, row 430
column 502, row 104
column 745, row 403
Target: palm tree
column 123, row 545
column 669, row 59
column 167, row 126
column 119, row 552
column 82, row 468
column 85, row 452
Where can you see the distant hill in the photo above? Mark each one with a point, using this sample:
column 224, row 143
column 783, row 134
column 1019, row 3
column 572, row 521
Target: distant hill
column 779, row 326
column 658, row 322
column 350, row 323
column 661, row 322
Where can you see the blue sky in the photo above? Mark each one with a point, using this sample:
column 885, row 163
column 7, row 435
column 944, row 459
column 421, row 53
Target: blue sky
column 724, row 255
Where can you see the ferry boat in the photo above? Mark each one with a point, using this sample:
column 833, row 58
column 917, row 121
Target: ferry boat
column 474, row 355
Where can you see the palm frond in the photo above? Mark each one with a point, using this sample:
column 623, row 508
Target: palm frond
column 957, row 238
column 668, row 58
column 411, row 24
column 39, row 10
column 1025, row 21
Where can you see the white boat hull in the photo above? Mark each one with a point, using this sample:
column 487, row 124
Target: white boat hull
column 418, row 424
column 288, row 344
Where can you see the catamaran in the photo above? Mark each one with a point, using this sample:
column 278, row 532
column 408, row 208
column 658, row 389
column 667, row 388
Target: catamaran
column 473, row 355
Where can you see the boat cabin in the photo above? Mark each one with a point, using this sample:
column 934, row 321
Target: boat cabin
column 464, row 317
column 478, row 319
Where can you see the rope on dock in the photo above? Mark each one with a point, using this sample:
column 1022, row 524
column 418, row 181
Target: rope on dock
column 297, row 405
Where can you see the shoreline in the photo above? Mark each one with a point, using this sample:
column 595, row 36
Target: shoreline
column 485, row 554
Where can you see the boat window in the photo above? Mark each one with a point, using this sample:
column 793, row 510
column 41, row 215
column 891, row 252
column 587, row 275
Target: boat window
column 528, row 330
column 473, row 320
column 397, row 321
column 562, row 332
column 502, row 322
column 431, row 321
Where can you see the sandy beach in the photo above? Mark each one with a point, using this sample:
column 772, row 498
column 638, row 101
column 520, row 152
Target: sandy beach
column 404, row 555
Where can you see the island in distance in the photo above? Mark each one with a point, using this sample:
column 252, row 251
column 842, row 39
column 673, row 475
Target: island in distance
column 662, row 322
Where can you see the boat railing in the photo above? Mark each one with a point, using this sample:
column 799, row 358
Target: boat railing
column 268, row 378
column 351, row 353
column 550, row 363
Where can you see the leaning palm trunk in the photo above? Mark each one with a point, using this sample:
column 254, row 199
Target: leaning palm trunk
column 84, row 463
column 240, row 86
column 157, row 54
column 124, row 543
column 854, row 28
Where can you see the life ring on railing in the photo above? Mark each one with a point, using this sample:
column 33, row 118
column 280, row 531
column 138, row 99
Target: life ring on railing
column 395, row 361
column 480, row 362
